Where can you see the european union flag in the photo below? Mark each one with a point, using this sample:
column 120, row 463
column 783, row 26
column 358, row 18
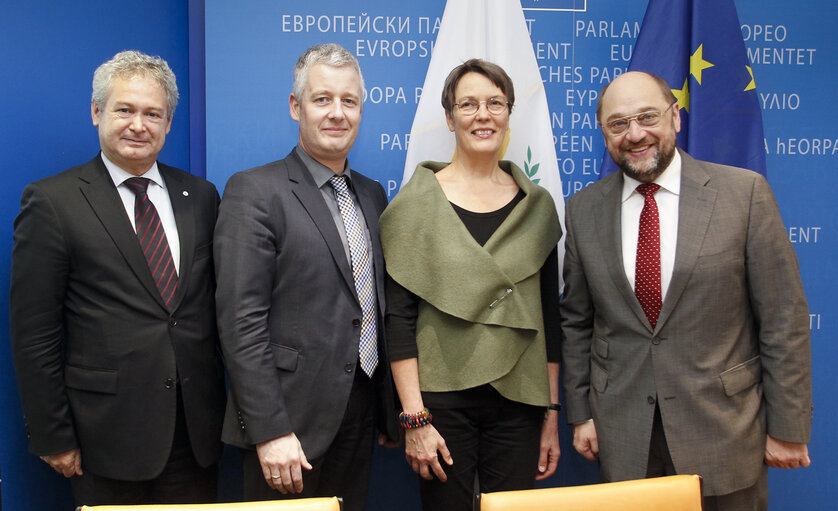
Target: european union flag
column 697, row 47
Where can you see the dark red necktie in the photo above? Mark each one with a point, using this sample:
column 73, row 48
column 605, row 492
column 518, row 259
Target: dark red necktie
column 647, row 275
column 153, row 240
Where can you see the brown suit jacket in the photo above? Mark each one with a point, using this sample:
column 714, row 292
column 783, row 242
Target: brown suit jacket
column 729, row 360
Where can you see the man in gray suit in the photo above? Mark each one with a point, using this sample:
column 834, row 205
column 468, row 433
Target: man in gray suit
column 300, row 300
column 686, row 327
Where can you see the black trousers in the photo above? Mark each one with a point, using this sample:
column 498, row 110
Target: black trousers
column 499, row 445
column 182, row 481
column 344, row 470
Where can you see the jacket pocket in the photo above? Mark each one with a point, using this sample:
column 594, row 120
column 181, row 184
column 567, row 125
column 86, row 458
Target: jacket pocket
column 599, row 378
column 285, row 358
column 92, row 380
column 742, row 376
column 600, row 347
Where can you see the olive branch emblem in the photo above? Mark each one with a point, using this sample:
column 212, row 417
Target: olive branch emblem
column 530, row 169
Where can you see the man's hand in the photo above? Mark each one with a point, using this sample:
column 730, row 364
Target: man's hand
column 782, row 454
column 585, row 440
column 548, row 460
column 67, row 463
column 282, row 461
column 421, row 446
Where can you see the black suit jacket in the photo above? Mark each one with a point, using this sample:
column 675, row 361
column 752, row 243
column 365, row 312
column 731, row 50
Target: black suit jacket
column 288, row 315
column 97, row 354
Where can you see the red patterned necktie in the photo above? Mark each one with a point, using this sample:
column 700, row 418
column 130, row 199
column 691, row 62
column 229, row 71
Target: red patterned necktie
column 153, row 240
column 647, row 275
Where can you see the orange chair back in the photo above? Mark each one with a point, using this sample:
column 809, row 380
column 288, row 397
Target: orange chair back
column 314, row 504
column 682, row 492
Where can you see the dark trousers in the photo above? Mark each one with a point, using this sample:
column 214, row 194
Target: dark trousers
column 499, row 445
column 182, row 481
column 344, row 470
column 660, row 462
column 752, row 498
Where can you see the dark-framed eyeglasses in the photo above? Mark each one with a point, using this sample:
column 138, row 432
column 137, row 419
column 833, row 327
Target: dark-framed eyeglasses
column 495, row 105
column 647, row 119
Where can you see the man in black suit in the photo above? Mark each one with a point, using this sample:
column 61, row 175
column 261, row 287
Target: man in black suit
column 300, row 300
column 112, row 308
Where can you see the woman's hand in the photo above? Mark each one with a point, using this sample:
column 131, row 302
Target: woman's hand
column 548, row 460
column 421, row 446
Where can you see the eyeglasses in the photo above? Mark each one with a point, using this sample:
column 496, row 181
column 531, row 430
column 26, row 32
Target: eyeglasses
column 648, row 119
column 495, row 105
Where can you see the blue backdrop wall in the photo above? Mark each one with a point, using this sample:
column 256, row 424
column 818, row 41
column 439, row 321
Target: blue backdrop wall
column 235, row 116
column 48, row 51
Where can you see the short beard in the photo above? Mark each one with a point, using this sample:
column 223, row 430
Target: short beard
column 656, row 167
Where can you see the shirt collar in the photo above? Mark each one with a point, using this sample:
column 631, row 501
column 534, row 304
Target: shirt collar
column 669, row 180
column 119, row 175
column 320, row 172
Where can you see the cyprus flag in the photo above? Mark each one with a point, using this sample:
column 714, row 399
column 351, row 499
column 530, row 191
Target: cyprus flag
column 493, row 30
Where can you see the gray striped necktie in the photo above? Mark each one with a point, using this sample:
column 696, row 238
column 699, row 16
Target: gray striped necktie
column 362, row 272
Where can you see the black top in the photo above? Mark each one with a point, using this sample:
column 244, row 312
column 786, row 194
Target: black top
column 403, row 306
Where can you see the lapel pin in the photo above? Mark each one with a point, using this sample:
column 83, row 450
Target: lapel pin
column 185, row 193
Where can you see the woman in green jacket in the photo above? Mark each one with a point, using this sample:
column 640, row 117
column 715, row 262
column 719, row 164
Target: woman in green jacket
column 472, row 306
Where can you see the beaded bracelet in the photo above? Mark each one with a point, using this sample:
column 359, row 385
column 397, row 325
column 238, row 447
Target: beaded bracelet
column 415, row 420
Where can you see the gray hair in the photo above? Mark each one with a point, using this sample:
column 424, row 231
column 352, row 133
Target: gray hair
column 131, row 63
column 330, row 54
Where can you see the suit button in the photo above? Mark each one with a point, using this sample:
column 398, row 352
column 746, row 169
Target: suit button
column 169, row 383
column 356, row 322
column 348, row 368
column 172, row 322
column 651, row 400
column 656, row 340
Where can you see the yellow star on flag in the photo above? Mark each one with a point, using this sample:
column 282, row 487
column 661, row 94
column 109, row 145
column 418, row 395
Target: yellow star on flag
column 752, row 84
column 683, row 95
column 698, row 64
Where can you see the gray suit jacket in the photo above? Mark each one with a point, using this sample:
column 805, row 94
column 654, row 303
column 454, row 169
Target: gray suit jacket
column 97, row 352
column 288, row 314
column 729, row 360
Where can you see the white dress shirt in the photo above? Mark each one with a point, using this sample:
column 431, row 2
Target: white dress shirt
column 667, row 199
column 158, row 195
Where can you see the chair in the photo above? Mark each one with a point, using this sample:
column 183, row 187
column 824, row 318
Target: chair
column 679, row 493
column 313, row 504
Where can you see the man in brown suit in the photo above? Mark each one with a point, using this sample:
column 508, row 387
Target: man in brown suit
column 713, row 376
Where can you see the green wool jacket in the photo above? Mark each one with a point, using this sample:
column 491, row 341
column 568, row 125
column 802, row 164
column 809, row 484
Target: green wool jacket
column 480, row 315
